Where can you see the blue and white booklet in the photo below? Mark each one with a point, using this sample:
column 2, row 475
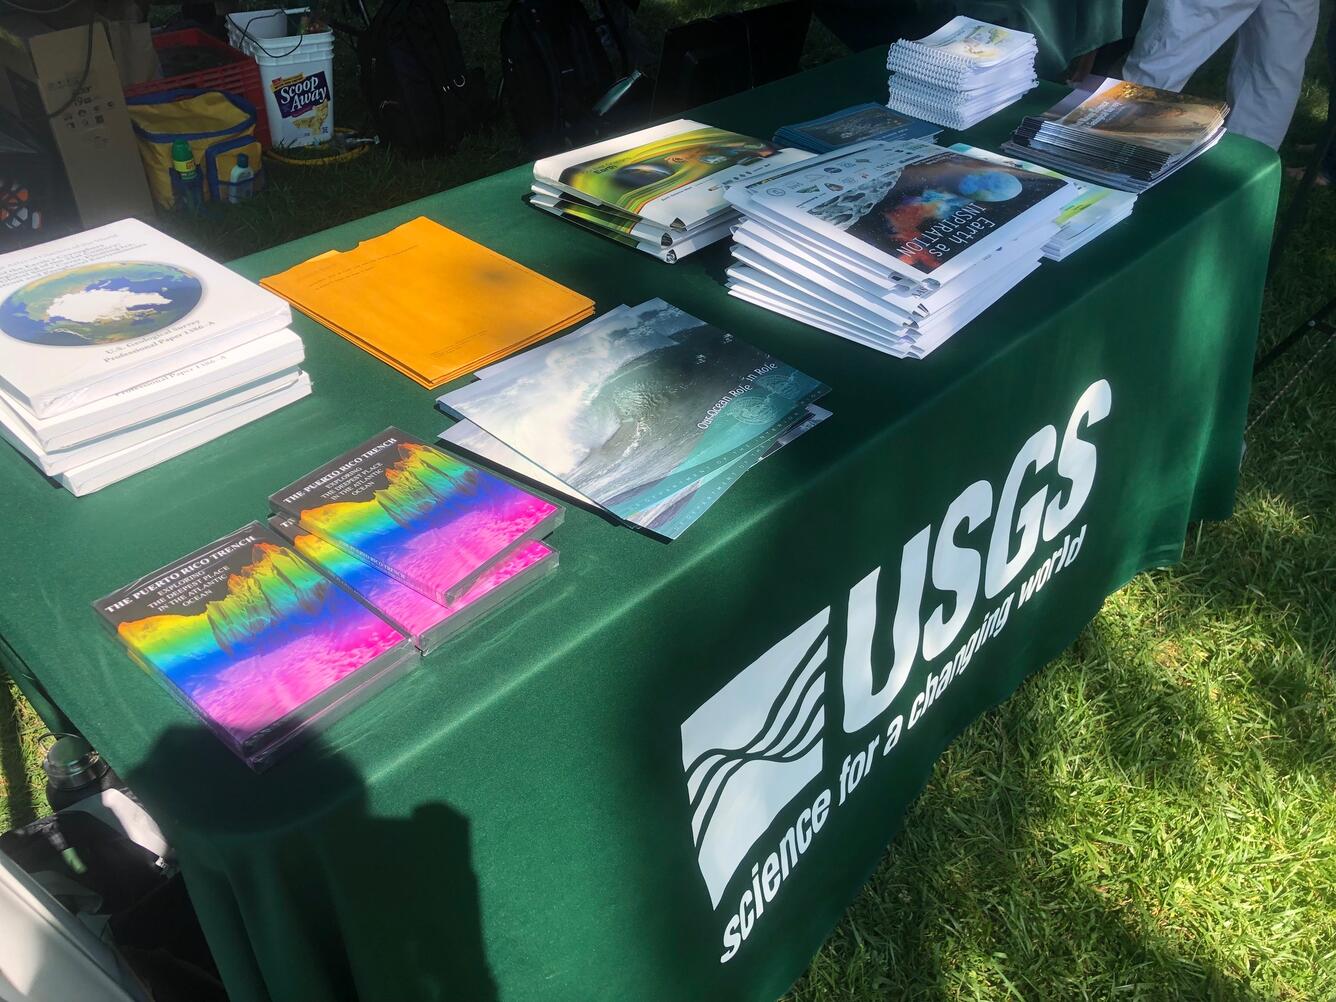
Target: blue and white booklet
column 852, row 125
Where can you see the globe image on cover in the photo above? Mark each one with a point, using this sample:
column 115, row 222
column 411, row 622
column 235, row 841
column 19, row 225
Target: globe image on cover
column 100, row 304
column 990, row 186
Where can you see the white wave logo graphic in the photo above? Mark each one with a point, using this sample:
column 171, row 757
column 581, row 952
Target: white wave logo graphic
column 753, row 747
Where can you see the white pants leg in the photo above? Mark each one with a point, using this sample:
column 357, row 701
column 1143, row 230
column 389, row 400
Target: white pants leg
column 1268, row 68
column 1177, row 36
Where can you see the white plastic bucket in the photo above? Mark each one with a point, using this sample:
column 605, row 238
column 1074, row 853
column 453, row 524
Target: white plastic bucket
column 296, row 71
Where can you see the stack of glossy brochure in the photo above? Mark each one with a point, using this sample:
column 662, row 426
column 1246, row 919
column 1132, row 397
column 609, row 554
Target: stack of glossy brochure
column 647, row 414
column 852, row 125
column 254, row 640
column 121, row 348
column 1094, row 211
column 895, row 246
column 961, row 73
column 1119, row 134
column 659, row 190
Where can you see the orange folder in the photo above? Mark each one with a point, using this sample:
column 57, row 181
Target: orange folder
column 429, row 302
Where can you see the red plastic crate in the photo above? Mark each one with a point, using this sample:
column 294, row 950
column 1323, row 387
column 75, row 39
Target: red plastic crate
column 239, row 76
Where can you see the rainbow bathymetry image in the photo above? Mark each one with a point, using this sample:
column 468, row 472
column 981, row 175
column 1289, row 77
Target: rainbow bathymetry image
column 281, row 636
column 435, row 523
column 414, row 612
column 99, row 304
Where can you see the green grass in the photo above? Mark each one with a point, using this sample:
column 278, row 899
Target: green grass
column 22, row 786
column 1151, row 817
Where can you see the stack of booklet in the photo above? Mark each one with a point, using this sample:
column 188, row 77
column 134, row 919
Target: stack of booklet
column 852, row 125
column 275, row 630
column 1089, row 215
column 1120, row 134
column 895, row 246
column 646, row 414
column 961, row 73
column 659, row 190
column 121, row 348
column 387, row 294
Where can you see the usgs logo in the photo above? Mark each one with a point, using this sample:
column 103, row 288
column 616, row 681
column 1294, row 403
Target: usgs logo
column 750, row 750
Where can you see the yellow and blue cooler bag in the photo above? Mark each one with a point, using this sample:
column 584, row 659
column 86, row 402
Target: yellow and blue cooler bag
column 217, row 125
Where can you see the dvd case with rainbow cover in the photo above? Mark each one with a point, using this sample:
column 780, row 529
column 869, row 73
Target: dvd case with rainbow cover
column 428, row 623
column 424, row 517
column 258, row 643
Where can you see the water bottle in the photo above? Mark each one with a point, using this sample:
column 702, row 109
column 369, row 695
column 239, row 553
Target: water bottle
column 187, row 184
column 241, row 184
column 74, row 770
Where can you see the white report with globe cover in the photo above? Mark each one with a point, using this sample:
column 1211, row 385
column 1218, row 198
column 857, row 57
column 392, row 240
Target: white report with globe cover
column 92, row 314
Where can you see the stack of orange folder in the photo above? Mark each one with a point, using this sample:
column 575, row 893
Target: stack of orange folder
column 431, row 303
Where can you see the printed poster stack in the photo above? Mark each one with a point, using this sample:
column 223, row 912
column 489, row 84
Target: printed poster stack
column 960, row 74
column 1119, row 134
column 646, row 414
column 659, row 190
column 895, row 246
column 276, row 630
column 121, row 348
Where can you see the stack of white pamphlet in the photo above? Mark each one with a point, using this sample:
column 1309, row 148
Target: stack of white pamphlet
column 659, row 190
column 121, row 348
column 1089, row 215
column 961, row 73
column 896, row 246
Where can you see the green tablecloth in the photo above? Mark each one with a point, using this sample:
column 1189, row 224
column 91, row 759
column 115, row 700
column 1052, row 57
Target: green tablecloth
column 515, row 819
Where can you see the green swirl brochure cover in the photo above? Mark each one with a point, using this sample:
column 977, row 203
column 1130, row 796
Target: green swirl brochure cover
column 255, row 640
column 671, row 175
column 90, row 315
column 648, row 411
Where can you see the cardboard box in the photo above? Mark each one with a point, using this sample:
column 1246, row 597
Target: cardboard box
column 92, row 137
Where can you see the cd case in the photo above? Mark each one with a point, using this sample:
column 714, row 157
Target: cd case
column 428, row 623
column 424, row 517
column 253, row 639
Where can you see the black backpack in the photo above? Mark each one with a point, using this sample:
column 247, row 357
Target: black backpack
column 555, row 67
column 422, row 95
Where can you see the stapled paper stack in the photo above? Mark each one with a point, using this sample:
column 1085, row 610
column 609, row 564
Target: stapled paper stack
column 961, row 73
column 430, row 302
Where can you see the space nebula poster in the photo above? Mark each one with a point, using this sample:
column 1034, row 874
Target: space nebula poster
column 939, row 207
